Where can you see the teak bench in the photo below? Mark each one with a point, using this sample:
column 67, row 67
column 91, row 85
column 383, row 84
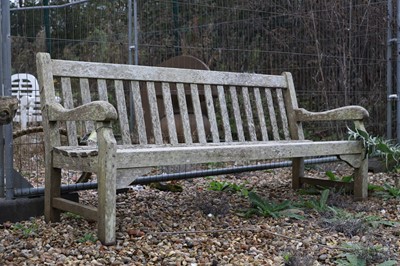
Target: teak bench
column 250, row 116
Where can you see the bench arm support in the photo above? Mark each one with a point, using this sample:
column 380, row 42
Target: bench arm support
column 93, row 111
column 351, row 112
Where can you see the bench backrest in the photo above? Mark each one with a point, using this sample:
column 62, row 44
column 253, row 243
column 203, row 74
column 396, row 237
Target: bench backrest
column 184, row 106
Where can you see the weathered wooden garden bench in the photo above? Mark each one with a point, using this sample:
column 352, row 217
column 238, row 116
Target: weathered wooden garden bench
column 251, row 117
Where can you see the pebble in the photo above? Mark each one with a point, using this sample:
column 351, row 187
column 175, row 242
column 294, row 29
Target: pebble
column 162, row 216
column 323, row 257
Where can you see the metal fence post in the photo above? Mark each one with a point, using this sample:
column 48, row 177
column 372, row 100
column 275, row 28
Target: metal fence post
column 6, row 81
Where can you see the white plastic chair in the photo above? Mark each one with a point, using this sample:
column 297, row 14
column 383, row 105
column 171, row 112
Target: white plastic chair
column 25, row 86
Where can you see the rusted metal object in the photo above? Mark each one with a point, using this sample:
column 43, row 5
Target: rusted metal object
column 8, row 109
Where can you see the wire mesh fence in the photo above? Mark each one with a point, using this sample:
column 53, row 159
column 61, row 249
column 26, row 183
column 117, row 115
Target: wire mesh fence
column 335, row 50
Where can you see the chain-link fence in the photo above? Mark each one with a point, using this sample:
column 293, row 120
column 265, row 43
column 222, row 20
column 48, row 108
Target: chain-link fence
column 336, row 50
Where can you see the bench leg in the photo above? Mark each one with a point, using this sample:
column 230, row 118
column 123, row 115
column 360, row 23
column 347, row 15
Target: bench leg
column 361, row 180
column 297, row 172
column 52, row 190
column 106, row 178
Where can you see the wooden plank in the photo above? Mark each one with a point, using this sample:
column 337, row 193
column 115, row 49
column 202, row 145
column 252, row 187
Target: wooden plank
column 260, row 113
column 249, row 114
column 163, row 74
column 296, row 129
column 272, row 116
column 86, row 98
column 222, row 152
column 86, row 212
column 211, row 113
column 224, row 114
column 52, row 136
column 327, row 183
column 197, row 112
column 139, row 115
column 169, row 113
column 88, row 164
column 282, row 112
column 237, row 113
column 69, row 104
column 106, row 180
column 184, row 113
column 102, row 89
column 155, row 119
column 122, row 112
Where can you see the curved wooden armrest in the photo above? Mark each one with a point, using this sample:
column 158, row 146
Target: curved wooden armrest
column 352, row 112
column 93, row 111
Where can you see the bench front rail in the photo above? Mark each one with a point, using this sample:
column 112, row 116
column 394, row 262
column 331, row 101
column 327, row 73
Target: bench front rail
column 180, row 116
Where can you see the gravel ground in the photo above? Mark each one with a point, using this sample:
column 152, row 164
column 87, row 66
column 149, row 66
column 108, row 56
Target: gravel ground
column 202, row 227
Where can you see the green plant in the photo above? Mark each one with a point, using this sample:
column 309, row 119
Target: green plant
column 266, row 208
column 72, row 215
column 359, row 255
column 88, row 237
column 296, row 258
column 333, row 177
column 321, row 204
column 376, row 221
column 379, row 147
column 226, row 186
column 393, row 192
column 218, row 186
column 26, row 231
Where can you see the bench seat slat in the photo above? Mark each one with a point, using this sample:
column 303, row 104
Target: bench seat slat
column 130, row 156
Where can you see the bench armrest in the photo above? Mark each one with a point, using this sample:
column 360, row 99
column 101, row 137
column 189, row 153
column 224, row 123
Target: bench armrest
column 93, row 111
column 352, row 112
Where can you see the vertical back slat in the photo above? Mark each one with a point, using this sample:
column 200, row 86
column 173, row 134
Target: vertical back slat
column 184, row 113
column 224, row 114
column 211, row 113
column 122, row 112
column 271, row 111
column 169, row 112
column 155, row 119
column 295, row 128
column 236, row 113
column 197, row 112
column 249, row 114
column 139, row 116
column 69, row 104
column 260, row 114
column 282, row 112
column 102, row 89
column 86, row 98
